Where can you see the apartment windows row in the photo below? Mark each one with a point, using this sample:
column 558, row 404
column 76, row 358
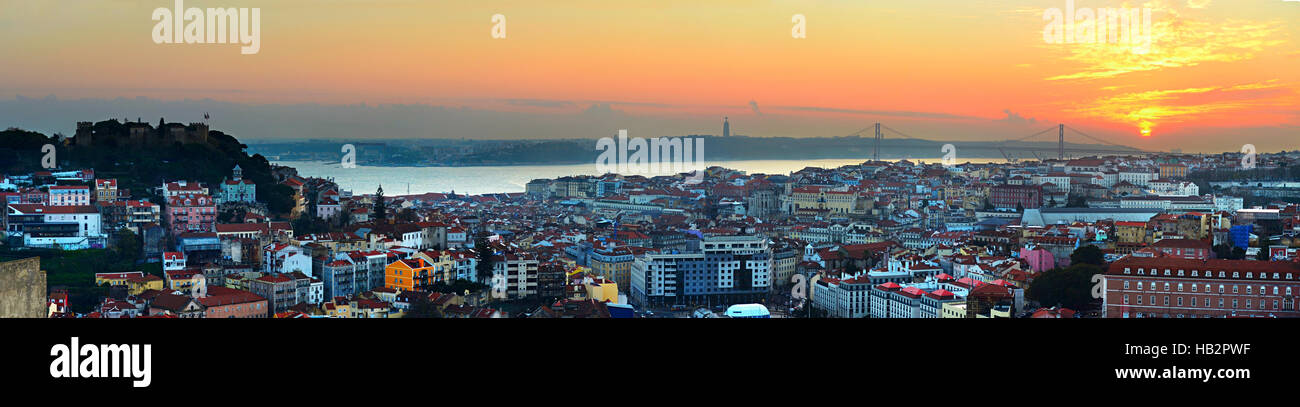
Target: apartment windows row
column 1208, row 273
column 1208, row 288
column 1198, row 302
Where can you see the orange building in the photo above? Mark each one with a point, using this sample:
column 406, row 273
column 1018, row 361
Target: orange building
column 410, row 275
column 1173, row 171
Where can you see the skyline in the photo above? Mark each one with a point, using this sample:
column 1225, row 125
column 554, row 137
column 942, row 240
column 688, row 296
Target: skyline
column 1217, row 74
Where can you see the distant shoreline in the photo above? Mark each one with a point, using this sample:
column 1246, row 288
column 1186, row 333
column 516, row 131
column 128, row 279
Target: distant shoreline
column 973, row 160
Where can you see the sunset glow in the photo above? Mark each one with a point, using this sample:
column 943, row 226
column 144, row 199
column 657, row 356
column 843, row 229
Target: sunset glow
column 961, row 69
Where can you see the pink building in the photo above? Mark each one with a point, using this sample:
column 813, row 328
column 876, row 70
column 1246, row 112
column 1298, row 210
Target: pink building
column 1039, row 259
column 1190, row 249
column 191, row 213
column 69, row 195
column 222, row 302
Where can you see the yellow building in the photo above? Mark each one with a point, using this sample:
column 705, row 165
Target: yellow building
column 1175, row 170
column 444, row 266
column 602, row 290
column 181, row 279
column 137, row 285
column 116, row 278
column 822, row 198
column 615, row 264
column 1131, row 232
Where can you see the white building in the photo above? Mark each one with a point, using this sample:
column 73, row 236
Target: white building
column 1139, row 177
column 283, row 258
column 66, row 227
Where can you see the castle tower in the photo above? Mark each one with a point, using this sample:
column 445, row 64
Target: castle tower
column 84, row 134
column 138, row 133
column 197, row 133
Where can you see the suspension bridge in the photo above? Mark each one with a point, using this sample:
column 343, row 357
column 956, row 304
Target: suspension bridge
column 1009, row 149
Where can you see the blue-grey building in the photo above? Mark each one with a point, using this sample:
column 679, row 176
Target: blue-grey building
column 725, row 270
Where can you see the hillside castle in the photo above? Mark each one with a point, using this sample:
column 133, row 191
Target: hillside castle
column 139, row 134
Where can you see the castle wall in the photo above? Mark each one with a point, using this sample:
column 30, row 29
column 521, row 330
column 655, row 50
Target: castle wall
column 22, row 289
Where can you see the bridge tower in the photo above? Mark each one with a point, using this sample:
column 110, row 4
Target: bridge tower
column 875, row 155
column 1060, row 142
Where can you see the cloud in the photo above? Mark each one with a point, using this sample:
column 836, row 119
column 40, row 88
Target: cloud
column 1198, row 3
column 601, row 109
column 1015, row 118
column 754, row 106
column 1176, row 41
column 540, row 103
column 1149, row 109
column 894, row 113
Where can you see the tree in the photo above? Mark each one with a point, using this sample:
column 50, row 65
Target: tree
column 1228, row 252
column 128, row 246
column 381, row 211
column 1070, row 287
column 1019, row 207
column 279, row 200
column 1078, row 201
column 485, row 253
column 851, row 268
column 1089, row 254
column 421, row 307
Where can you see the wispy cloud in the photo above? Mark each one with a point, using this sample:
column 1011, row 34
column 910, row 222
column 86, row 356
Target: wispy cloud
column 1015, row 118
column 894, row 113
column 1148, row 109
column 1177, row 40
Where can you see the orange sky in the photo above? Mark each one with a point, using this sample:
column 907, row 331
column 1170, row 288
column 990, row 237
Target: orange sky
column 1217, row 69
